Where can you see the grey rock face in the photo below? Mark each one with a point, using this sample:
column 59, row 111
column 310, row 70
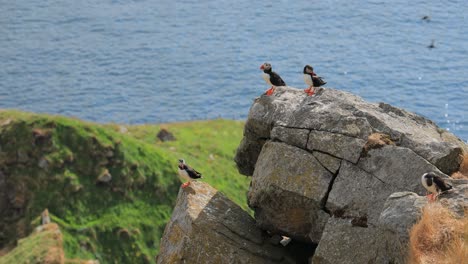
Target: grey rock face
column 287, row 191
column 339, row 124
column 207, row 227
column 344, row 243
column 323, row 167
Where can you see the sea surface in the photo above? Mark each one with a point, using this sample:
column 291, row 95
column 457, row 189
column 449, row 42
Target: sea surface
column 162, row 61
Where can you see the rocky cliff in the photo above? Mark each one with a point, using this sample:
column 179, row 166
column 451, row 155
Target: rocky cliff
column 323, row 167
column 337, row 175
column 207, row 227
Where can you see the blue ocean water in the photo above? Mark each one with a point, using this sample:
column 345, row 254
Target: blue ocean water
column 160, row 61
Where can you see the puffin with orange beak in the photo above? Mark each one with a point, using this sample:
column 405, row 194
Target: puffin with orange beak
column 271, row 77
column 187, row 173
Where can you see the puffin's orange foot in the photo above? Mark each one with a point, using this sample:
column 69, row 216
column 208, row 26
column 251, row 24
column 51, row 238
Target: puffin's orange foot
column 431, row 198
column 185, row 184
column 270, row 91
column 310, row 93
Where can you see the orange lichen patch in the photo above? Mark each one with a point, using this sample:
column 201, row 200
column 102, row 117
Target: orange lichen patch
column 376, row 140
column 438, row 237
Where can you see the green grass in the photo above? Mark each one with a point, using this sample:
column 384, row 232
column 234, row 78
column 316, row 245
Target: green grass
column 36, row 248
column 53, row 162
column 207, row 146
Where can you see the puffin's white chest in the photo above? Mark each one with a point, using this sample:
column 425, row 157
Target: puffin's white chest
column 184, row 175
column 432, row 188
column 308, row 80
column 266, row 77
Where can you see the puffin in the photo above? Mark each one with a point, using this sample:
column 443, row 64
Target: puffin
column 187, row 173
column 271, row 77
column 434, row 184
column 308, row 74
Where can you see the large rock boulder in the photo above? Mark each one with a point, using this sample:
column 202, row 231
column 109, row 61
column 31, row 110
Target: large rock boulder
column 339, row 123
column 207, row 227
column 323, row 166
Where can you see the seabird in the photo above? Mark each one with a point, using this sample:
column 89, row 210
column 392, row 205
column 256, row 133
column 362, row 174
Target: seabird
column 187, row 173
column 427, row 18
column 271, row 77
column 432, row 45
column 434, row 184
column 308, row 74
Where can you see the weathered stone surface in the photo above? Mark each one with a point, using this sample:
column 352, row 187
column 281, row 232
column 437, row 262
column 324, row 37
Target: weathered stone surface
column 398, row 166
column 335, row 154
column 247, row 155
column 457, row 199
column 344, row 243
column 288, row 188
column 331, row 163
column 341, row 116
column 401, row 211
column 291, row 136
column 362, row 189
column 206, row 227
column 356, row 193
column 338, row 145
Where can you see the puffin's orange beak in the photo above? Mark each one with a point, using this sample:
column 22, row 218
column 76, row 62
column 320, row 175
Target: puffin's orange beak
column 262, row 67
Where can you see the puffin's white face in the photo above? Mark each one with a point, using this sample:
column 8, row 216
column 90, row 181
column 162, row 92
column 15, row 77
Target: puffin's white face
column 181, row 161
column 265, row 66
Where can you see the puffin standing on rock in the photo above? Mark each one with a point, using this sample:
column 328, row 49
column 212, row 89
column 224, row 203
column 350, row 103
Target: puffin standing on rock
column 187, row 173
column 308, row 75
column 271, row 77
column 435, row 185
column 311, row 79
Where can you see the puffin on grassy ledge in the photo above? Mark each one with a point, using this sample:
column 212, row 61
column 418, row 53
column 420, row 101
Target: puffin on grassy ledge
column 187, row 173
column 434, row 184
column 271, row 77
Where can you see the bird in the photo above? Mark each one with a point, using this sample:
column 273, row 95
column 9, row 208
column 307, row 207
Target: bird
column 426, row 18
column 434, row 184
column 271, row 77
column 187, row 173
column 432, row 45
column 308, row 74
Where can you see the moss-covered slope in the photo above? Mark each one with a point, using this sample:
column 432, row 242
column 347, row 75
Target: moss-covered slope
column 56, row 163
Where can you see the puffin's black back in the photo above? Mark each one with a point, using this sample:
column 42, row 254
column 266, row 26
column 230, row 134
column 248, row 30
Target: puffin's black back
column 441, row 184
column 192, row 172
column 276, row 80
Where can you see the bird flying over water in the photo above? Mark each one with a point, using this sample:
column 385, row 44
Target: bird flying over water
column 271, row 77
column 434, row 184
column 187, row 173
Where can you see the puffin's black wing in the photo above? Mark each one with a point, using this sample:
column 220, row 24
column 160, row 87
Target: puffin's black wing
column 276, row 80
column 192, row 173
column 318, row 81
column 441, row 184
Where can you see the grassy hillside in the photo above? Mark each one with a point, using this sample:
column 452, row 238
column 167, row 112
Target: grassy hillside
column 209, row 147
column 56, row 162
